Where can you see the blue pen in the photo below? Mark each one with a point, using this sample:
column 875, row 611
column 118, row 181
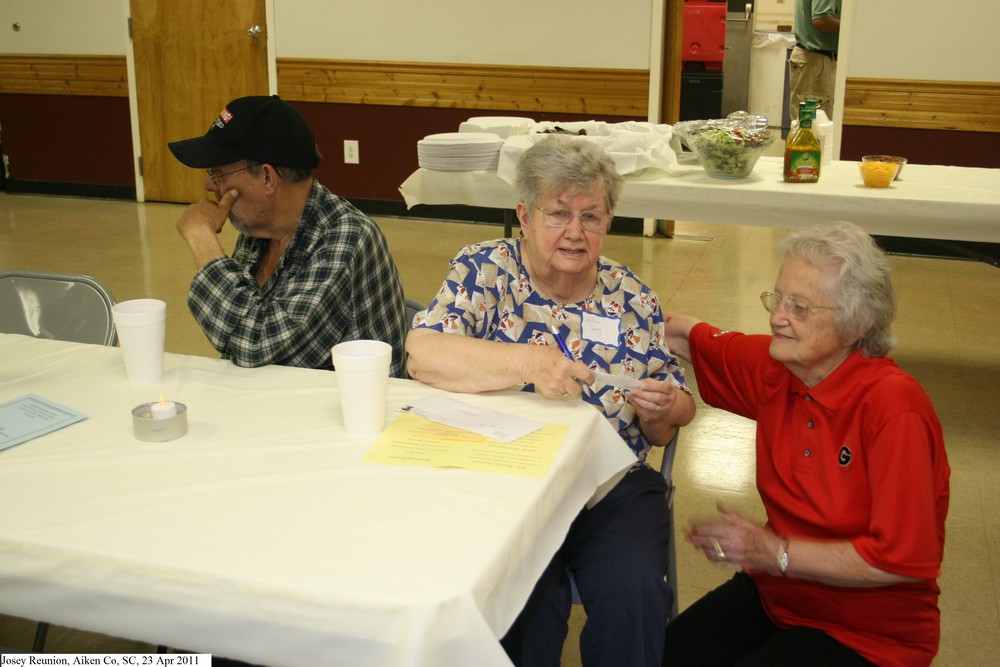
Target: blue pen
column 569, row 355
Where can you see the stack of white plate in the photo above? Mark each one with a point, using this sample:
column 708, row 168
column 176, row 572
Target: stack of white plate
column 459, row 151
column 502, row 126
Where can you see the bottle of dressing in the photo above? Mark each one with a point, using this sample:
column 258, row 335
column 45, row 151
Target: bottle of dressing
column 803, row 150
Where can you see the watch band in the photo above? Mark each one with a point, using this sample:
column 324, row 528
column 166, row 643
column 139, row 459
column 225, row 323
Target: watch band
column 783, row 557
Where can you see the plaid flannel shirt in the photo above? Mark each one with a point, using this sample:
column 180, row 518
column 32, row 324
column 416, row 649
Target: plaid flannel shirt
column 336, row 281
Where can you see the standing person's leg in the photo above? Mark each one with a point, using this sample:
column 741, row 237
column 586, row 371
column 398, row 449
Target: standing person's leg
column 618, row 556
column 826, row 84
column 796, row 73
column 810, row 78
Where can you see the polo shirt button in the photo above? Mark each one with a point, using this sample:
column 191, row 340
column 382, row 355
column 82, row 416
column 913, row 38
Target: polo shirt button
column 810, row 423
column 808, row 453
column 809, row 398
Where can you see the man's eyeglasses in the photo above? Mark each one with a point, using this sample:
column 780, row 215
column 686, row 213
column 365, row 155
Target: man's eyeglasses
column 216, row 176
column 796, row 309
column 592, row 221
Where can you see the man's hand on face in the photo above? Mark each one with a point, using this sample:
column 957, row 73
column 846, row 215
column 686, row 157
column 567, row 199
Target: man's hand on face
column 201, row 223
column 206, row 215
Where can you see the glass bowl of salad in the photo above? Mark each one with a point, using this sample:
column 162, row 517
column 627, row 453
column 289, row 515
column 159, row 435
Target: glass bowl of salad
column 726, row 147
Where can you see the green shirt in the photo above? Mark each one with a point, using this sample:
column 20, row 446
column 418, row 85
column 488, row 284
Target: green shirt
column 809, row 36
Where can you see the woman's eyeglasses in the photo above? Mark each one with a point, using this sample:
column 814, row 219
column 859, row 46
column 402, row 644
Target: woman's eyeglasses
column 592, row 221
column 795, row 308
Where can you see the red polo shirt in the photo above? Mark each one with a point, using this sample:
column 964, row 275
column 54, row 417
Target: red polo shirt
column 858, row 457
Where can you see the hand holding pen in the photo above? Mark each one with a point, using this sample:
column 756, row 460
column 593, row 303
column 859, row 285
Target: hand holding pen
column 569, row 355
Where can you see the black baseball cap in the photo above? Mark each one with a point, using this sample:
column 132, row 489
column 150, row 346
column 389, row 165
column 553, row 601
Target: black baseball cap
column 260, row 128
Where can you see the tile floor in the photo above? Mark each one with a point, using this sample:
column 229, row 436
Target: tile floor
column 948, row 329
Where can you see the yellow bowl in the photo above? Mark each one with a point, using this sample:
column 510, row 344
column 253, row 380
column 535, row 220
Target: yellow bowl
column 887, row 158
column 878, row 171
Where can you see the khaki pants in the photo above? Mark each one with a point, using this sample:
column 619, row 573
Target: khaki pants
column 811, row 76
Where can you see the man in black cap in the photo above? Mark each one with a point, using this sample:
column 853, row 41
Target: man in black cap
column 308, row 271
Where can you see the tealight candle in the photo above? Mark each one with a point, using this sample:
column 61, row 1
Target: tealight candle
column 159, row 421
column 164, row 409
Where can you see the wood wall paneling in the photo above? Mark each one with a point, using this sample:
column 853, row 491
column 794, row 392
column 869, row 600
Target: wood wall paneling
column 599, row 92
column 359, row 99
column 939, row 105
column 929, row 105
column 99, row 76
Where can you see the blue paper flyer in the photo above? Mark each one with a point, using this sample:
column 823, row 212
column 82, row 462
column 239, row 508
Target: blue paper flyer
column 30, row 416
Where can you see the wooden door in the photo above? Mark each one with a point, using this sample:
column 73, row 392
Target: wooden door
column 673, row 42
column 191, row 58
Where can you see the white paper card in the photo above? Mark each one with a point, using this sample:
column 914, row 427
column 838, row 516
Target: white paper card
column 624, row 381
column 608, row 380
column 492, row 424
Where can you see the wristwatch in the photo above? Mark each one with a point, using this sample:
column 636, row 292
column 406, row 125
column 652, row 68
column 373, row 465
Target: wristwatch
column 783, row 557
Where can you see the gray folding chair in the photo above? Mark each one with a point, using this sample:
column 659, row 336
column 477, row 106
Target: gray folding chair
column 59, row 306
column 412, row 308
column 666, row 469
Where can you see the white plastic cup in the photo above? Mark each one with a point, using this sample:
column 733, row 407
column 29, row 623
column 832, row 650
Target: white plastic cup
column 141, row 326
column 362, row 369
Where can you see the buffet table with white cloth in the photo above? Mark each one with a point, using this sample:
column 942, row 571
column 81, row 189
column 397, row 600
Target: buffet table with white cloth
column 261, row 534
column 928, row 201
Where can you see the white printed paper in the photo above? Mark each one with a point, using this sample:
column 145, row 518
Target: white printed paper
column 492, row 424
column 622, row 381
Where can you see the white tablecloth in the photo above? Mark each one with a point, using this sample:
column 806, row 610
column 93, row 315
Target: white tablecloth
column 933, row 202
column 261, row 534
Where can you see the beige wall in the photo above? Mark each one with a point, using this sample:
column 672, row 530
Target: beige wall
column 558, row 33
column 925, row 39
column 895, row 39
column 86, row 27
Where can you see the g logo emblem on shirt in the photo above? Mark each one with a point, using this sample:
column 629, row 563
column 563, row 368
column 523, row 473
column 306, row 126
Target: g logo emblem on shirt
column 845, row 455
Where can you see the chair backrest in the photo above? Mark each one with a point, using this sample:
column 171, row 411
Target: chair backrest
column 59, row 306
column 667, row 469
column 412, row 308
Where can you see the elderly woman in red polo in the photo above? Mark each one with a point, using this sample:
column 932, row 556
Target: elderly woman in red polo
column 851, row 468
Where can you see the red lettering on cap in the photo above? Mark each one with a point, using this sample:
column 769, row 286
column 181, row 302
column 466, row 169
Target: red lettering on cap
column 223, row 119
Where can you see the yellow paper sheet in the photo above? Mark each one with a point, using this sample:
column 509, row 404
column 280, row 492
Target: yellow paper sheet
column 417, row 441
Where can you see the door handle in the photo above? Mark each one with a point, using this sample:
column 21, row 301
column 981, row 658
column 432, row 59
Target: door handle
column 746, row 16
column 254, row 31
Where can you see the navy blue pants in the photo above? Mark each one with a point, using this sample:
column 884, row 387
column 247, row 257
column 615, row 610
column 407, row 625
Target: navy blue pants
column 617, row 553
column 729, row 626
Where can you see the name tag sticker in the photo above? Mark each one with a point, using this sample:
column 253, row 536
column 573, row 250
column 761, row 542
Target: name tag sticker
column 600, row 329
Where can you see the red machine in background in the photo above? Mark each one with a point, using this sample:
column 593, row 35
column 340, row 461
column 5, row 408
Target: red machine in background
column 704, row 39
column 703, row 52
